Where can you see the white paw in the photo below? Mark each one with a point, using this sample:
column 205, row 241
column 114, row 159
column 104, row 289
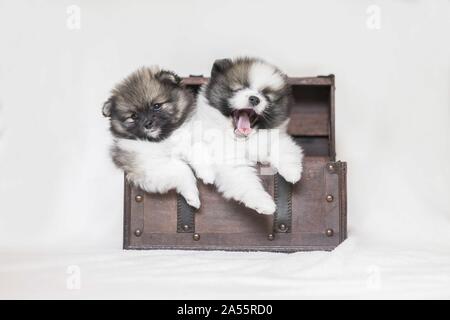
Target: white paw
column 193, row 200
column 291, row 173
column 207, row 177
column 262, row 203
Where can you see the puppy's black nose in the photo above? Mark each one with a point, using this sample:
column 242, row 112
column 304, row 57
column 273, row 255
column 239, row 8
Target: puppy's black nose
column 148, row 124
column 254, row 101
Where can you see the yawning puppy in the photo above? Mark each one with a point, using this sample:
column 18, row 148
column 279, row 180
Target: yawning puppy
column 146, row 110
column 247, row 99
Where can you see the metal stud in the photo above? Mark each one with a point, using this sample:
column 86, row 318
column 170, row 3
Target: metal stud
column 331, row 167
column 137, row 232
column 329, row 232
column 196, row 236
column 185, row 227
column 139, row 198
column 270, row 237
column 330, row 198
column 282, row 227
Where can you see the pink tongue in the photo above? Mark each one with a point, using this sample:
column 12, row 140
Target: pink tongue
column 243, row 124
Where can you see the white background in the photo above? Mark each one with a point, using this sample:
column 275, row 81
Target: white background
column 61, row 197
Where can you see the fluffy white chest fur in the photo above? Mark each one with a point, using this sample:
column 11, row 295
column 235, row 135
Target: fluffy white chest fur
column 160, row 167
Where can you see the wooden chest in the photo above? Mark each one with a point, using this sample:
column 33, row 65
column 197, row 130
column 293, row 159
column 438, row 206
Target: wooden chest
column 311, row 215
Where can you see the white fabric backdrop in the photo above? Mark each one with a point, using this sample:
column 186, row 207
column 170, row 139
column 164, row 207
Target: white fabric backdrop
column 61, row 196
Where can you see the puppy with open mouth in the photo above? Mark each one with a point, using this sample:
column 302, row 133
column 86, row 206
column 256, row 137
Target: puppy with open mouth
column 247, row 99
column 146, row 111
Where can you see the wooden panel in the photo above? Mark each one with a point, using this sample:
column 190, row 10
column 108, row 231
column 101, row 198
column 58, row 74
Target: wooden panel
column 157, row 206
column 310, row 111
column 217, row 216
column 314, row 146
column 310, row 118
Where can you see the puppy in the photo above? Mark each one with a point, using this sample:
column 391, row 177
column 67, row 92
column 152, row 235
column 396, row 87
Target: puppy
column 146, row 110
column 247, row 99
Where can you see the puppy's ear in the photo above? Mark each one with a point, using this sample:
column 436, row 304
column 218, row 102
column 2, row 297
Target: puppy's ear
column 220, row 66
column 107, row 107
column 169, row 76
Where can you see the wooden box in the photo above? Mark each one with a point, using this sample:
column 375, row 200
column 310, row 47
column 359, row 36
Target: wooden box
column 311, row 215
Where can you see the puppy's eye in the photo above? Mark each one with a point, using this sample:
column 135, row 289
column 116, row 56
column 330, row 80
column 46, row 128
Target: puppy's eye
column 268, row 97
column 134, row 116
column 157, row 106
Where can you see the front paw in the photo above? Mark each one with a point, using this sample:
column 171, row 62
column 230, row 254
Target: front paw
column 193, row 200
column 291, row 173
column 207, row 177
column 261, row 203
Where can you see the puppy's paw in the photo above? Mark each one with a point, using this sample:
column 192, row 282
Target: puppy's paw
column 262, row 203
column 207, row 177
column 266, row 206
column 193, row 200
column 291, row 173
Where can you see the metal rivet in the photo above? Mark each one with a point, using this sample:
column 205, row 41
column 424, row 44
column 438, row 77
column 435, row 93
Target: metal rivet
column 329, row 198
column 196, row 236
column 270, row 237
column 185, row 227
column 330, row 167
column 139, row 198
column 137, row 232
column 329, row 232
column 282, row 227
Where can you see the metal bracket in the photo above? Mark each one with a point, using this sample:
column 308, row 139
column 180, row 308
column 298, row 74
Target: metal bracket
column 136, row 202
column 185, row 216
column 283, row 200
column 332, row 199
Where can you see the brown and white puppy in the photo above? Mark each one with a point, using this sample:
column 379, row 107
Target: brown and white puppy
column 148, row 105
column 146, row 110
column 247, row 99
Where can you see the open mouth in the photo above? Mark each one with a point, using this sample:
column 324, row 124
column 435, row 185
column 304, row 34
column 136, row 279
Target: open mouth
column 244, row 120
